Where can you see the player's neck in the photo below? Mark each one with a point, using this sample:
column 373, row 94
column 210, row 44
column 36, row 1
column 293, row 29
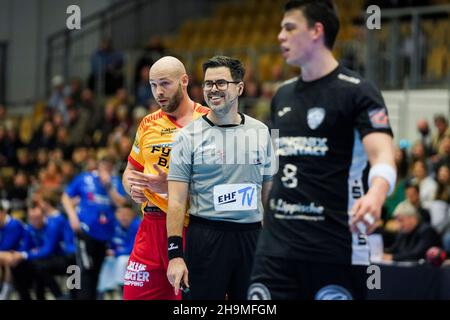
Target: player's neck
column 231, row 117
column 321, row 64
column 185, row 111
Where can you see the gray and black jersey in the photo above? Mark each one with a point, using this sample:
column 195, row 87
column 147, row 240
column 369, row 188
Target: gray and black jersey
column 323, row 167
column 225, row 167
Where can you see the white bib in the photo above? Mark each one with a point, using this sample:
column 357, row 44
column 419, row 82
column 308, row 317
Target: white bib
column 235, row 197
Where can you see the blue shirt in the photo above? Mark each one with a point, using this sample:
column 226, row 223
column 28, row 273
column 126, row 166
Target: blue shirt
column 41, row 243
column 65, row 235
column 11, row 234
column 96, row 208
column 123, row 240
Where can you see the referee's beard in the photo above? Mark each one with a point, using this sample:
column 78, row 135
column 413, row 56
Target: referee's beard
column 174, row 103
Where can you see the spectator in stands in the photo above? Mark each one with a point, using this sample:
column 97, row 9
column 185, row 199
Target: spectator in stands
column 18, row 192
column 44, row 137
column 24, row 161
column 106, row 67
column 412, row 193
column 120, row 246
column 52, row 177
column 142, row 92
column 78, row 122
column 443, row 157
column 418, row 153
column 441, row 124
column 427, row 184
column 401, row 161
column 415, row 236
column 56, row 103
column 76, row 88
column 443, row 179
column 11, row 232
column 38, row 244
column 153, row 50
column 62, row 142
column 425, row 136
column 62, row 239
column 107, row 126
column 100, row 192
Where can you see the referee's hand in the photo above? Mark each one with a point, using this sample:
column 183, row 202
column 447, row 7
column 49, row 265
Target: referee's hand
column 177, row 272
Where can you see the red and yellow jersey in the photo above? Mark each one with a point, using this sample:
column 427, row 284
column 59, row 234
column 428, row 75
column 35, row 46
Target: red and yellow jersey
column 153, row 144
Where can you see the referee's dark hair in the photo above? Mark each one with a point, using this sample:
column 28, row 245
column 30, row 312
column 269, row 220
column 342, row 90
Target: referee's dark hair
column 237, row 70
column 322, row 11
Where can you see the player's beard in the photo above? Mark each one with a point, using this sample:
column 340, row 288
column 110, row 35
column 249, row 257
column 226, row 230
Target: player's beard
column 223, row 109
column 174, row 103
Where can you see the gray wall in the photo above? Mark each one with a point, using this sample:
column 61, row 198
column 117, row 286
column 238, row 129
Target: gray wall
column 25, row 26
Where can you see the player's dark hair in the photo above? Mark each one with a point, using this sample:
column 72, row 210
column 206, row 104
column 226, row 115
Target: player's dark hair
column 322, row 11
column 52, row 197
column 237, row 69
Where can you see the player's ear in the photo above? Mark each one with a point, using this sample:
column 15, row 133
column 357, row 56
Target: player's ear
column 240, row 88
column 185, row 80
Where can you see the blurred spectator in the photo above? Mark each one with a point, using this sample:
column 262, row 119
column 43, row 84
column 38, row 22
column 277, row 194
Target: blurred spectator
column 34, row 246
column 52, row 177
column 56, row 103
column 415, row 236
column 401, row 161
column 427, row 184
column 11, row 232
column 45, row 137
column 441, row 124
column 138, row 114
column 143, row 93
column 76, row 88
column 106, row 69
column 443, row 157
column 196, row 92
column 18, row 192
column 153, row 50
column 107, row 126
column 412, row 193
column 77, row 125
column 443, row 179
column 118, row 253
column 418, row 153
column 425, row 136
column 3, row 115
column 62, row 142
column 99, row 193
column 24, row 161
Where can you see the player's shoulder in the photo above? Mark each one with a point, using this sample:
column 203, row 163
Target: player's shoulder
column 287, row 85
column 150, row 119
column 201, row 109
column 255, row 123
column 350, row 78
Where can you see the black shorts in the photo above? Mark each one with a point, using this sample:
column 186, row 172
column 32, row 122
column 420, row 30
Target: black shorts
column 276, row 278
column 219, row 256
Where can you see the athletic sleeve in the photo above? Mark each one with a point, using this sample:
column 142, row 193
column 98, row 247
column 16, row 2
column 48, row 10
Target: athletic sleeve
column 74, row 187
column 26, row 240
column 180, row 167
column 371, row 112
column 117, row 184
column 50, row 243
column 12, row 236
column 135, row 157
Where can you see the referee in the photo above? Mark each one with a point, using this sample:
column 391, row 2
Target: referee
column 337, row 166
column 222, row 161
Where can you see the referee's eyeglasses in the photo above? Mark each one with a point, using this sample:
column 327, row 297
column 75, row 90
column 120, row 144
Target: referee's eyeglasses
column 221, row 84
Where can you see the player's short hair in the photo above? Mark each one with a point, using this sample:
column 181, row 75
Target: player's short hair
column 322, row 11
column 440, row 117
column 236, row 67
column 52, row 197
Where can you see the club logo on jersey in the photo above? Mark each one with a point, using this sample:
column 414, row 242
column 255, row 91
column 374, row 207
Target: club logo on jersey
column 333, row 292
column 283, row 111
column 315, row 117
column 378, row 117
column 235, row 197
